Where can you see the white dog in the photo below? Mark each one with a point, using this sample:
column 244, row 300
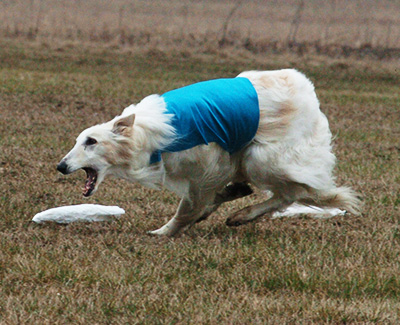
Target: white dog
column 207, row 142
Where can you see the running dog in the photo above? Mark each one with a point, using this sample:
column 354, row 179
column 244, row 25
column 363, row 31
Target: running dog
column 208, row 142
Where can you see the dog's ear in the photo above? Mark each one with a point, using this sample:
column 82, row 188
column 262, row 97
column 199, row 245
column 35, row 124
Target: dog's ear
column 123, row 125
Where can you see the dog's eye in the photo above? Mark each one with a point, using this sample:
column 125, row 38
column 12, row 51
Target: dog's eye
column 90, row 141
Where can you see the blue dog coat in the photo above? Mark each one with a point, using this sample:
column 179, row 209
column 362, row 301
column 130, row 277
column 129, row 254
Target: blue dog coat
column 224, row 111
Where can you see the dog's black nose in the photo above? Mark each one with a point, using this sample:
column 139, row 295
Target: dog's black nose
column 62, row 167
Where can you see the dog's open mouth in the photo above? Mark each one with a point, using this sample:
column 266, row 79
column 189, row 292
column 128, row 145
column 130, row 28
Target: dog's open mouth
column 91, row 178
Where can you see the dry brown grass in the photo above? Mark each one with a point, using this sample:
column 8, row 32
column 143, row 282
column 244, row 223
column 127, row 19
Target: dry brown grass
column 343, row 270
column 335, row 27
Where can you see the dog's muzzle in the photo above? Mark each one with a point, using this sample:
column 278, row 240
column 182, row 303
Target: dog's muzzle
column 62, row 167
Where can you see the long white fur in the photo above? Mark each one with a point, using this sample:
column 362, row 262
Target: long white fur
column 304, row 152
column 291, row 153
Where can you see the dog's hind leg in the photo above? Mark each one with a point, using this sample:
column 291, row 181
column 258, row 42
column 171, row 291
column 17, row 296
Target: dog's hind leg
column 229, row 193
column 284, row 195
column 189, row 211
column 253, row 212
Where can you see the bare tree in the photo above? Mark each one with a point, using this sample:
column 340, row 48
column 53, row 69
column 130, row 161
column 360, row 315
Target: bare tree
column 294, row 27
column 331, row 21
column 223, row 39
column 120, row 17
column 388, row 33
column 39, row 16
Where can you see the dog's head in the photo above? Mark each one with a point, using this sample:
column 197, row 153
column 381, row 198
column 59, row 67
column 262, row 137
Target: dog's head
column 100, row 150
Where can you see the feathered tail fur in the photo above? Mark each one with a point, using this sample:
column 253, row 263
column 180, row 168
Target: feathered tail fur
column 340, row 197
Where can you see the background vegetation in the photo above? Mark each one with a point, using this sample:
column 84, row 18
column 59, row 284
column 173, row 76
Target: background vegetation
column 333, row 27
column 291, row 270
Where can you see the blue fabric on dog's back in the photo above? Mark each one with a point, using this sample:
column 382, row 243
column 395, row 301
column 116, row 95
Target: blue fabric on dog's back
column 224, row 111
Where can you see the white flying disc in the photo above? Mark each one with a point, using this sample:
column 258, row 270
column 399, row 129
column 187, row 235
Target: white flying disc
column 312, row 211
column 80, row 212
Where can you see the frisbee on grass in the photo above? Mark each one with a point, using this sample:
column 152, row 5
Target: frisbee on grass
column 312, row 211
column 80, row 212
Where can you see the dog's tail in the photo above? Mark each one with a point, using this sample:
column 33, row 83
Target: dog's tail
column 339, row 197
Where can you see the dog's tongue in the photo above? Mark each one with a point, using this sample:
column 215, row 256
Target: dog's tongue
column 89, row 187
column 90, row 183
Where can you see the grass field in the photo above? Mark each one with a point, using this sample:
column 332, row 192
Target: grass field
column 299, row 270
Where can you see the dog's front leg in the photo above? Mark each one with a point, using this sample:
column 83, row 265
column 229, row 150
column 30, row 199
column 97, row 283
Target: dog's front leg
column 180, row 220
column 190, row 209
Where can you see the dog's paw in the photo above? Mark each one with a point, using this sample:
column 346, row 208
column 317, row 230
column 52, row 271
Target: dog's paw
column 240, row 218
column 163, row 231
column 155, row 232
